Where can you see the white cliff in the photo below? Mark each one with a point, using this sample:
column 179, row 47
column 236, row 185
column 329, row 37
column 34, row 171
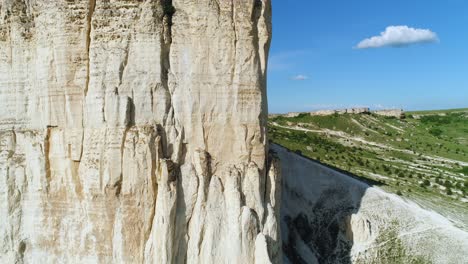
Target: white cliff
column 134, row 132
column 329, row 217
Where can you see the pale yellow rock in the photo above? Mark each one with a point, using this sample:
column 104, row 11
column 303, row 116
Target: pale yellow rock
column 134, row 132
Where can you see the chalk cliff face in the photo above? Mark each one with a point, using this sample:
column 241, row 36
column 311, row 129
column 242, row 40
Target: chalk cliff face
column 133, row 131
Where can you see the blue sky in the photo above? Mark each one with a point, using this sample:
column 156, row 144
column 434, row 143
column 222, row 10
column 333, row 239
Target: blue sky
column 315, row 63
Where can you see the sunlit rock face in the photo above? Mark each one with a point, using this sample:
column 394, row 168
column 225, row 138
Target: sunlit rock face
column 134, row 132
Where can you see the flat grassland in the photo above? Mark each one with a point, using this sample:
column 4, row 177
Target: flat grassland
column 423, row 157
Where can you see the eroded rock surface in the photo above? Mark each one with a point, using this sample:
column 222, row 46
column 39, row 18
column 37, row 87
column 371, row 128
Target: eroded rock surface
column 134, row 132
column 329, row 217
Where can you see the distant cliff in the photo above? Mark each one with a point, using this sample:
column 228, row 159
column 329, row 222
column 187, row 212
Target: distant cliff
column 134, row 132
column 397, row 113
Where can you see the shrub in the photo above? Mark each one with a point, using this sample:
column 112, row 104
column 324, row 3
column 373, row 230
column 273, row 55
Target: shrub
column 426, row 182
column 447, row 184
column 360, row 162
column 464, row 171
column 436, row 132
column 399, row 193
column 449, row 191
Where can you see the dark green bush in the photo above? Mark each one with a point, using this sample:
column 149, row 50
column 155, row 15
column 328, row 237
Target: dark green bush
column 436, row 132
column 464, row 170
column 449, row 191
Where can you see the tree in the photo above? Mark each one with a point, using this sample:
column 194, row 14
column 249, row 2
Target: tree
column 449, row 191
column 426, row 182
column 447, row 184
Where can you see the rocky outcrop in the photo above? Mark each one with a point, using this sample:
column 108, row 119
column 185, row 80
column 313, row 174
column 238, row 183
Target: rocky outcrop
column 397, row 113
column 292, row 114
column 330, row 217
column 134, row 132
column 324, row 112
column 361, row 110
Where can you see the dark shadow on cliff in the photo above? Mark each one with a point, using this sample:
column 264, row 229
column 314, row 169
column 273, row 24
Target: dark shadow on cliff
column 367, row 181
column 318, row 201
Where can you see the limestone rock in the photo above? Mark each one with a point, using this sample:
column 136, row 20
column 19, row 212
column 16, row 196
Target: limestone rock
column 329, row 217
column 359, row 110
column 397, row 113
column 134, row 132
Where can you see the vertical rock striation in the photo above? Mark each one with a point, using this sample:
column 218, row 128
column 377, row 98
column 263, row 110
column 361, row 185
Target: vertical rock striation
column 135, row 132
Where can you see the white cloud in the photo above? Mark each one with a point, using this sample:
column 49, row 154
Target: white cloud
column 398, row 36
column 300, row 77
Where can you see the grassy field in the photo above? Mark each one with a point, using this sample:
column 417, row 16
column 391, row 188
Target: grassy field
column 423, row 157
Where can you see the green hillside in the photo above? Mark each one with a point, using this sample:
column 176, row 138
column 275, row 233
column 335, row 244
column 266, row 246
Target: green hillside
column 423, row 157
